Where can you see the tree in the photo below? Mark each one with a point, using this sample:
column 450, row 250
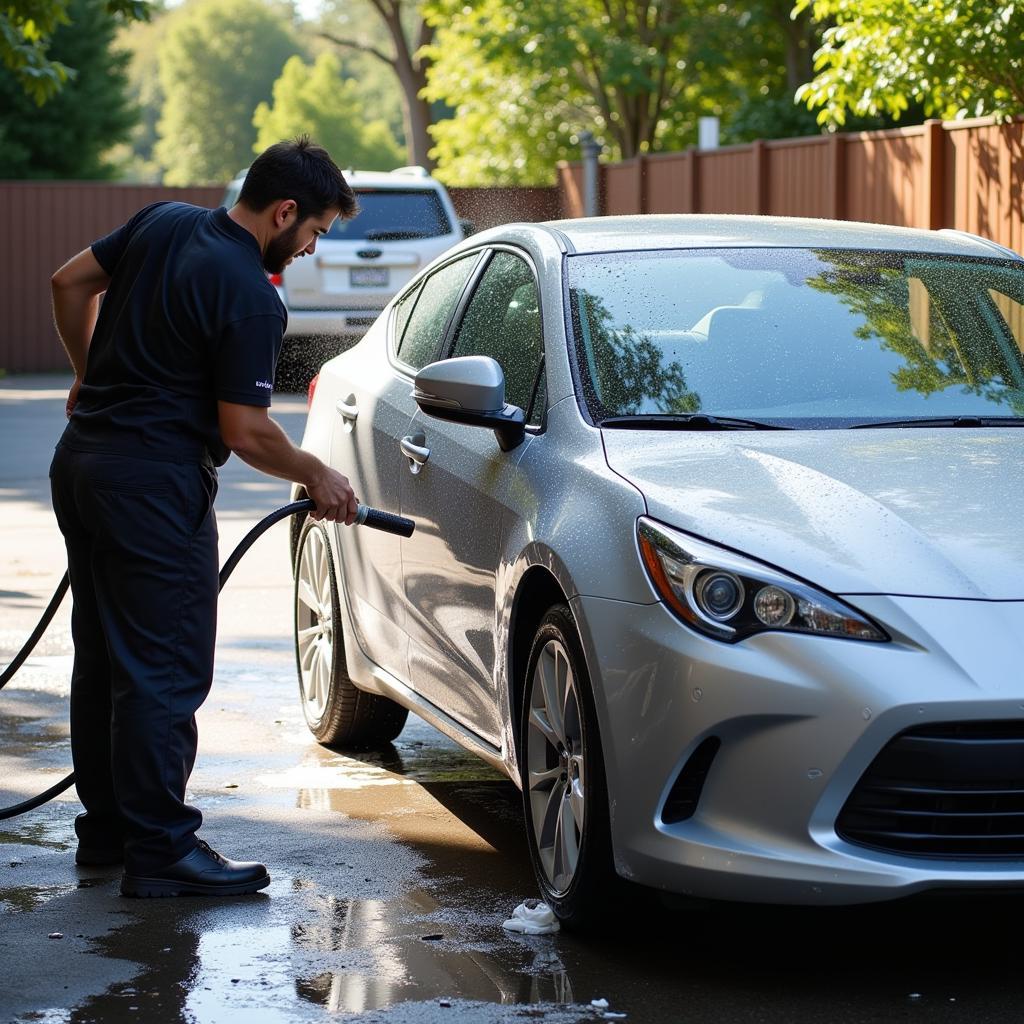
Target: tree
column 525, row 78
column 27, row 28
column 218, row 62
column 954, row 57
column 407, row 54
column 68, row 136
column 314, row 100
column 141, row 41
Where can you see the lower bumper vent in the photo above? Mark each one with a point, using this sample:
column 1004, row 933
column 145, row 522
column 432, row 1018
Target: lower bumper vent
column 954, row 791
column 685, row 793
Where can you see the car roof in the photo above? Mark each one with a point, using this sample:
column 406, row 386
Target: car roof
column 404, row 178
column 676, row 231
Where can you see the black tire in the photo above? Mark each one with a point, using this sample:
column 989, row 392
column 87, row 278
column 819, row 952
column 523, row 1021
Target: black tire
column 579, row 896
column 338, row 713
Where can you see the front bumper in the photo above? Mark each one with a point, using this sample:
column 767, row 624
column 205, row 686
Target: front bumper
column 800, row 719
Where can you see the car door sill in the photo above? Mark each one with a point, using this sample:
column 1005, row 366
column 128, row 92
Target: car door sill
column 431, row 713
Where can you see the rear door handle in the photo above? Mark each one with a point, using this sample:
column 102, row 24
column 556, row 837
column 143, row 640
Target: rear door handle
column 348, row 410
column 413, row 449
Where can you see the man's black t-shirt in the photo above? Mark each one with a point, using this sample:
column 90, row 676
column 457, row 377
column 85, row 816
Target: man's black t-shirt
column 189, row 318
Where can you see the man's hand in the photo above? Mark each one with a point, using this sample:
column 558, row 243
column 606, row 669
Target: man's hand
column 72, row 397
column 335, row 500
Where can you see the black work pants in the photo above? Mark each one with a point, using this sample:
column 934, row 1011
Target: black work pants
column 142, row 555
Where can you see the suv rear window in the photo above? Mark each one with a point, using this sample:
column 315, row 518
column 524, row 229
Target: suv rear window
column 393, row 214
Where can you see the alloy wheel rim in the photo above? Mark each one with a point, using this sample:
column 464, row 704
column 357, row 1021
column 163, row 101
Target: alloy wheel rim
column 555, row 764
column 314, row 624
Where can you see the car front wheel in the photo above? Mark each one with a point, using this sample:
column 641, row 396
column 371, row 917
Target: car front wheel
column 564, row 792
column 337, row 712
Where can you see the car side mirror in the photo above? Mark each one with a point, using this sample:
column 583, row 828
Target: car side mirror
column 468, row 226
column 471, row 390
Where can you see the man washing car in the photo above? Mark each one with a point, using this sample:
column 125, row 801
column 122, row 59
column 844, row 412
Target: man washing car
column 173, row 371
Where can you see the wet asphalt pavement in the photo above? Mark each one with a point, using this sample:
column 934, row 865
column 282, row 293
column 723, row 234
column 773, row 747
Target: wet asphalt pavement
column 391, row 872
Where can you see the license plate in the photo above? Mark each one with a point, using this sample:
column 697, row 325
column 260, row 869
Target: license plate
column 368, row 277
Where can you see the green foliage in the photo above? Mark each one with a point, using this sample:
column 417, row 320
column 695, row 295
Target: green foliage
column 525, row 78
column 956, row 58
column 315, row 100
column 218, row 62
column 379, row 88
column 68, row 135
column 141, row 41
column 27, row 28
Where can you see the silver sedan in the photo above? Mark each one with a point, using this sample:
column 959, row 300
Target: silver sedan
column 718, row 550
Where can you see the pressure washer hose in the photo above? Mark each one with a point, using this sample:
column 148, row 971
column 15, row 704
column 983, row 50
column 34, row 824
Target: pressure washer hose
column 365, row 516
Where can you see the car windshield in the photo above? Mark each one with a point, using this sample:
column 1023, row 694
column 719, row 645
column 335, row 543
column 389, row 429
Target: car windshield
column 798, row 337
column 394, row 214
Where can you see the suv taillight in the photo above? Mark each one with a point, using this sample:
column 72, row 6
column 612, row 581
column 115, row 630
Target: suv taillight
column 312, row 390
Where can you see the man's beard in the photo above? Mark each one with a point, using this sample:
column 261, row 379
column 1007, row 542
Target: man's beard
column 280, row 250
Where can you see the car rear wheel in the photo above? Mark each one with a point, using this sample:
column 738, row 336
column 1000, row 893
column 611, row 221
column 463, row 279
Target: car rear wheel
column 565, row 797
column 337, row 712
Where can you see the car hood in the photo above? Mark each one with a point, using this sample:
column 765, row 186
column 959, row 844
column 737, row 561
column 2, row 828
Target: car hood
column 920, row 512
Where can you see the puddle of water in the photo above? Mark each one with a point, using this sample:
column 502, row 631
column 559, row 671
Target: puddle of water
column 361, row 955
column 20, row 899
column 34, row 834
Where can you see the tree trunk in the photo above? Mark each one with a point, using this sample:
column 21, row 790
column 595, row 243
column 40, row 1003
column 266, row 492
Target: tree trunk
column 416, row 114
column 412, row 75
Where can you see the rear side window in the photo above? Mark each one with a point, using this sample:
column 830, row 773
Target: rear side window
column 403, row 310
column 387, row 215
column 429, row 317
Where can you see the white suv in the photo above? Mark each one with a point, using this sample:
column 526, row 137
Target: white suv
column 406, row 219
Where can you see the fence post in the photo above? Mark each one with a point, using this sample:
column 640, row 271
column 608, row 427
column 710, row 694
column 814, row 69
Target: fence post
column 837, row 176
column 934, row 174
column 591, row 174
column 694, row 196
column 762, row 185
column 640, row 183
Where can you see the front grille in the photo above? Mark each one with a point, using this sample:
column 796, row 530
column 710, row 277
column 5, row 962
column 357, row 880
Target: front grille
column 954, row 791
column 682, row 799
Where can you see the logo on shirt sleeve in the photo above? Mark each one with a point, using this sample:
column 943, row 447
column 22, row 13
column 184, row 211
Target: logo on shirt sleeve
column 265, row 384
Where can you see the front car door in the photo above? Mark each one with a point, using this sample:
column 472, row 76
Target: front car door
column 371, row 416
column 457, row 498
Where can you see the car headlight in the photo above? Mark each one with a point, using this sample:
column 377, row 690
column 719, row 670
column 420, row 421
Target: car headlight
column 729, row 597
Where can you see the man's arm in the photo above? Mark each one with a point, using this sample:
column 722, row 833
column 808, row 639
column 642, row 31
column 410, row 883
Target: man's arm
column 76, row 289
column 255, row 438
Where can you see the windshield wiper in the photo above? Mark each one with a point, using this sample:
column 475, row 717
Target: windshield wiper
column 395, row 235
column 946, row 421
column 687, row 421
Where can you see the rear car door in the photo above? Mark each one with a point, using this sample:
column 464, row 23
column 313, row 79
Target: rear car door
column 457, row 498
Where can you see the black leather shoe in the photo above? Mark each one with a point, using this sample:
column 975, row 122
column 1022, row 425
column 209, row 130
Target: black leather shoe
column 203, row 872
column 98, row 856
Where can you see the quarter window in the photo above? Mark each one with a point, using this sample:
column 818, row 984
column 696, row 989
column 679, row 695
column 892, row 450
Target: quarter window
column 503, row 321
column 403, row 310
column 437, row 298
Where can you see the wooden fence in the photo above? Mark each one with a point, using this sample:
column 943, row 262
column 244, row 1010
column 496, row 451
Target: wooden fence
column 45, row 223
column 957, row 174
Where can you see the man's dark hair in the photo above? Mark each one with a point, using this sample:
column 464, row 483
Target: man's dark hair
column 299, row 170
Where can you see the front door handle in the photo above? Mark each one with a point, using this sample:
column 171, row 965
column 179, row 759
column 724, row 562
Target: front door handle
column 413, row 449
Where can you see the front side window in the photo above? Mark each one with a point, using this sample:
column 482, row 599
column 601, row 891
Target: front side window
column 424, row 331
column 798, row 337
column 503, row 321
